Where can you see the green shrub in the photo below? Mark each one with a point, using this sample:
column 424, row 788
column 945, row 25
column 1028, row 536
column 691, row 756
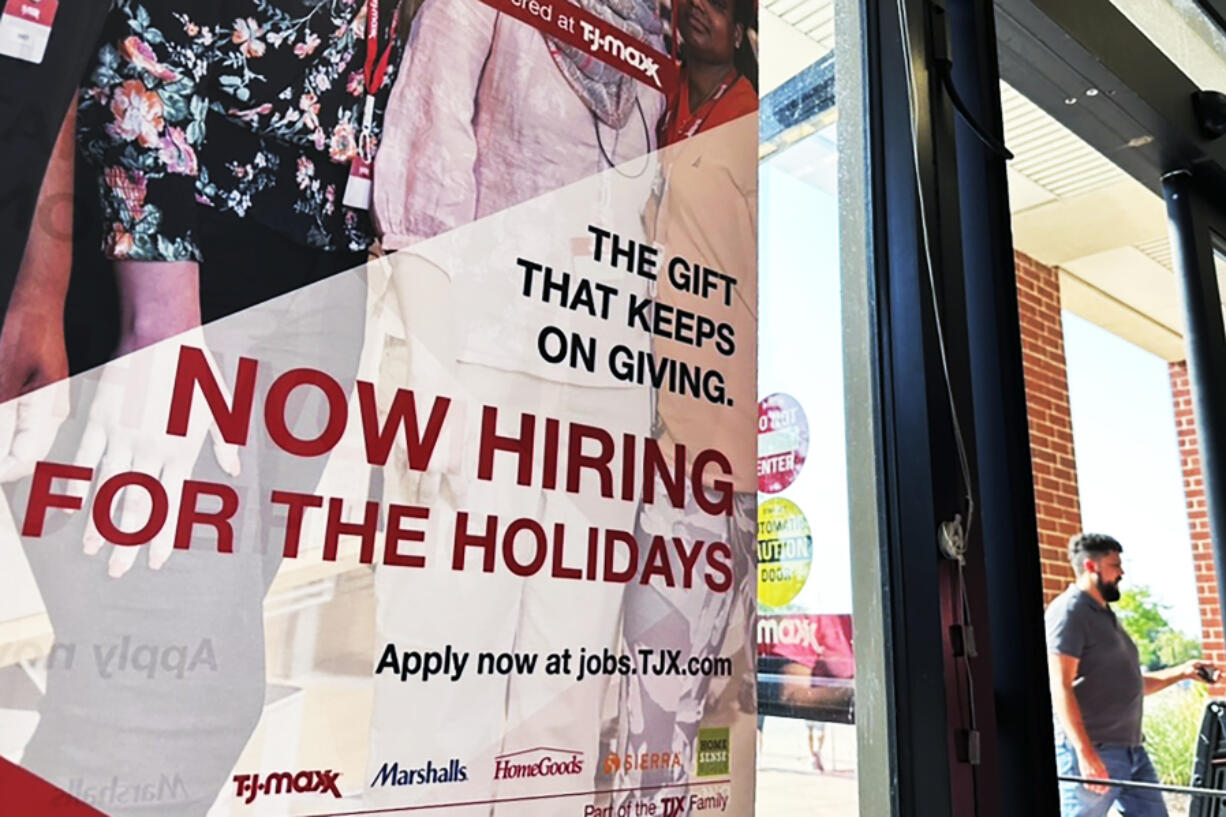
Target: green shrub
column 1171, row 726
column 1159, row 644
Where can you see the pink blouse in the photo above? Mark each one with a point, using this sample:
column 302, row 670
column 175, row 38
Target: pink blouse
column 480, row 119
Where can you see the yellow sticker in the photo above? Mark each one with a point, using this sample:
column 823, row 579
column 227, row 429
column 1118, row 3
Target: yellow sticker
column 785, row 551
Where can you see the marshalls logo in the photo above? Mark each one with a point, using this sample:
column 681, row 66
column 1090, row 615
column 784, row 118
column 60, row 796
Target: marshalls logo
column 390, row 774
column 538, row 762
column 287, row 783
column 118, row 792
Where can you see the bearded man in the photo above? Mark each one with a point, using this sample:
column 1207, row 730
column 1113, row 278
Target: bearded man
column 1097, row 688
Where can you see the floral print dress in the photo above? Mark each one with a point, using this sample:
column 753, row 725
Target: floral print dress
column 251, row 107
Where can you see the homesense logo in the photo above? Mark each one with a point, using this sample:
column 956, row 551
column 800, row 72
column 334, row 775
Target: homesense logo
column 713, row 751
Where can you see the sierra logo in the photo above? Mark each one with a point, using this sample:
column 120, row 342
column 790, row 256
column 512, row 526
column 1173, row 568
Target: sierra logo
column 643, row 762
column 538, row 762
column 390, row 774
column 286, row 783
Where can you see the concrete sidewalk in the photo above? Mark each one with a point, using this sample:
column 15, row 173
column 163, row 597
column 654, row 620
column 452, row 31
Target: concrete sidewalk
column 788, row 783
column 790, row 786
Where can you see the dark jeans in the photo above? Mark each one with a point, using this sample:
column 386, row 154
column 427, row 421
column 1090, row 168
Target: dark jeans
column 102, row 724
column 1123, row 763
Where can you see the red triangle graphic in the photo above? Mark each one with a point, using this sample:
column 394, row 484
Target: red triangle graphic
column 26, row 793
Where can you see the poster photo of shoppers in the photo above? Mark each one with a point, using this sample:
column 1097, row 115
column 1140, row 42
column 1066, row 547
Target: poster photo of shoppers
column 377, row 408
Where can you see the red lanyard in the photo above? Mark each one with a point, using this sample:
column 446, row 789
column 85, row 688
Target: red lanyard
column 709, row 105
column 376, row 63
column 375, row 71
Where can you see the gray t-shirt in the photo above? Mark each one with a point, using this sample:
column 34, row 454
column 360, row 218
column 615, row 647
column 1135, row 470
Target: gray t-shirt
column 1108, row 686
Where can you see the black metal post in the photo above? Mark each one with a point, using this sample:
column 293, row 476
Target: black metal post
column 1006, row 591
column 1205, row 341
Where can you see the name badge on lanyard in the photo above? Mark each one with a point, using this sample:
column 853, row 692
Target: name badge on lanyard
column 25, row 28
column 361, row 169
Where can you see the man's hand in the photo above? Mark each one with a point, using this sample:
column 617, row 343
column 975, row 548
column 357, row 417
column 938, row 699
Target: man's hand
column 1192, row 670
column 1062, row 670
column 1091, row 765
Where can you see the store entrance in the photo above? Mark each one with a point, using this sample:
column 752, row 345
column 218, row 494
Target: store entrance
column 1117, row 224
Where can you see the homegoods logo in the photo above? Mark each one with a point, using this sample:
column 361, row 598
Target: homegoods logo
column 539, row 762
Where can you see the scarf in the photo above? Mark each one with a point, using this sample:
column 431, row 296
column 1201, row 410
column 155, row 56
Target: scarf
column 607, row 92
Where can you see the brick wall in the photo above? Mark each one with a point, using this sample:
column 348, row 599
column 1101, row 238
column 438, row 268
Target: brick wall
column 1057, row 503
column 1198, row 517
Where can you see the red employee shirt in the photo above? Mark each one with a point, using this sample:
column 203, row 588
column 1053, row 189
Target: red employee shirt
column 679, row 120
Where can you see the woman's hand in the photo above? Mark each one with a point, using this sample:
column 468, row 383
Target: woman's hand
column 126, row 431
column 126, row 426
column 33, row 389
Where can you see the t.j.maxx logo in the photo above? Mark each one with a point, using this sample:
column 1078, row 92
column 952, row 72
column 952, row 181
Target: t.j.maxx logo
column 315, row 781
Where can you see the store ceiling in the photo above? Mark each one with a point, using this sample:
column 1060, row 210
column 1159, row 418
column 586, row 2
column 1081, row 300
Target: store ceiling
column 1185, row 33
column 1074, row 209
column 799, row 33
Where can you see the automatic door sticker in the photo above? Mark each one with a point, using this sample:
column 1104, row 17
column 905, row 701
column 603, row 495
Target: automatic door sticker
column 783, row 442
column 785, row 551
